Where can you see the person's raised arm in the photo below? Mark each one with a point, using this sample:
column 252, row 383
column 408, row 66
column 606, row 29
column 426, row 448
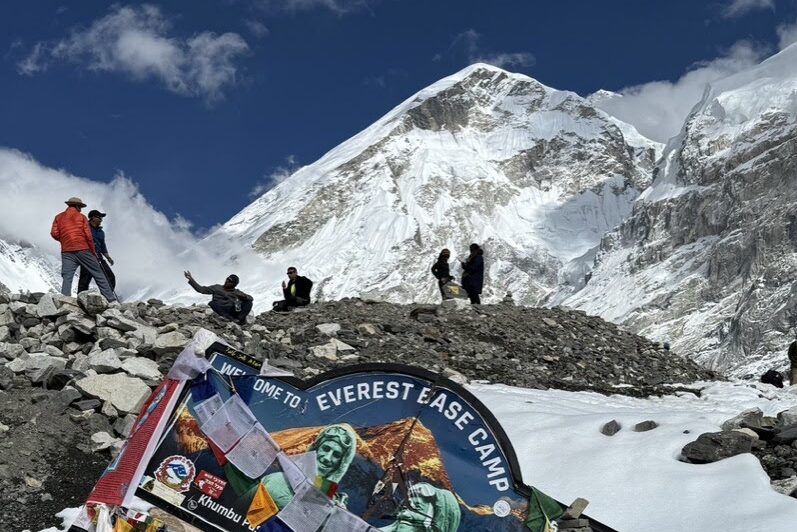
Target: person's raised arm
column 195, row 285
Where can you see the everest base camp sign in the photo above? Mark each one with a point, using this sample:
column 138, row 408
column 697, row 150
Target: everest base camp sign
column 368, row 447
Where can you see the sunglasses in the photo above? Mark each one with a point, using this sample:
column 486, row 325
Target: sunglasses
column 291, row 271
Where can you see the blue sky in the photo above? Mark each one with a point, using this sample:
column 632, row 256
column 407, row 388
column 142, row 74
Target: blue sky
column 201, row 103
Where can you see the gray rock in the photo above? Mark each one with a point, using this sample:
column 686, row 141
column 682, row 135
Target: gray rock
column 328, row 329
column 64, row 398
column 104, row 361
column 92, row 302
column 6, row 377
column 5, row 333
column 80, row 363
column 714, row 446
column 119, row 321
column 109, row 411
column 7, row 318
column 81, row 323
column 611, row 428
column 101, row 441
column 787, row 417
column 750, row 418
column 11, row 351
column 341, row 347
column 786, row 486
column 456, row 304
column 124, row 425
column 367, row 329
column 87, row 404
column 455, row 376
column 645, row 426
column 47, row 307
column 142, row 367
column 786, row 435
column 328, row 351
column 127, row 394
column 749, row 432
column 172, row 342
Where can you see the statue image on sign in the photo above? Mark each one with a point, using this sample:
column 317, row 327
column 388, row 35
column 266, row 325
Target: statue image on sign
column 335, row 447
column 429, row 508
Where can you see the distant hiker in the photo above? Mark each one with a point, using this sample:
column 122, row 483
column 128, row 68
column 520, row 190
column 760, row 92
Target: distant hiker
column 296, row 292
column 793, row 361
column 473, row 274
column 228, row 302
column 72, row 230
column 95, row 222
column 441, row 271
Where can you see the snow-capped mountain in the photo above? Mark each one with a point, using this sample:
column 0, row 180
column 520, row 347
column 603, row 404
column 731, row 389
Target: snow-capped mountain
column 535, row 175
column 707, row 260
column 24, row 267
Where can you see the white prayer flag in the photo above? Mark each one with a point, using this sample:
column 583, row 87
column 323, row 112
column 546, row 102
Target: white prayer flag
column 229, row 423
column 254, row 452
column 307, row 462
column 344, row 521
column 291, row 471
column 208, row 407
column 307, row 510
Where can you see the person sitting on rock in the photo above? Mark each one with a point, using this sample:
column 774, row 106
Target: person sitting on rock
column 228, row 302
column 296, row 292
column 441, row 271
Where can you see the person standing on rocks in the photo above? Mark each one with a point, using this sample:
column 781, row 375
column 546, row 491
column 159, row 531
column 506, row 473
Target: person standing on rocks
column 473, row 274
column 441, row 271
column 72, row 230
column 227, row 301
column 793, row 363
column 95, row 222
column 296, row 292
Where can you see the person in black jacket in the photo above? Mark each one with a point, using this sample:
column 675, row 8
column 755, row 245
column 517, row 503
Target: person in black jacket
column 227, row 301
column 296, row 292
column 441, row 271
column 473, row 274
column 95, row 224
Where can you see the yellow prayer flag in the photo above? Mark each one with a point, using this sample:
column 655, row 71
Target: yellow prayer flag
column 262, row 507
column 122, row 526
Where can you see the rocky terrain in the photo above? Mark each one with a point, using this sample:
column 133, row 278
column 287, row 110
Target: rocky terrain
column 74, row 371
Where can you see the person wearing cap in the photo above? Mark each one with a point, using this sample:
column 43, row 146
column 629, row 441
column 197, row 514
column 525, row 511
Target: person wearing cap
column 296, row 292
column 95, row 222
column 227, row 301
column 71, row 229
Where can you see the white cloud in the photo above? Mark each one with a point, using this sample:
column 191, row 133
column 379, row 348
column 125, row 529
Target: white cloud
column 469, row 42
column 508, row 60
column 136, row 41
column 339, row 7
column 738, row 8
column 658, row 109
column 277, row 176
column 149, row 249
column 256, row 28
column 787, row 34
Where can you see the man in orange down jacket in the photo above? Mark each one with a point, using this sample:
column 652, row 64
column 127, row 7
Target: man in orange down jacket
column 72, row 230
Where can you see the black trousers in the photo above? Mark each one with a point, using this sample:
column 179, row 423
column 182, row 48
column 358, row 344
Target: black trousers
column 286, row 305
column 475, row 299
column 226, row 311
column 85, row 277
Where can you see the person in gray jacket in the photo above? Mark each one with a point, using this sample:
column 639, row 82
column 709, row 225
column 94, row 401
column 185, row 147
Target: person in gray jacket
column 227, row 301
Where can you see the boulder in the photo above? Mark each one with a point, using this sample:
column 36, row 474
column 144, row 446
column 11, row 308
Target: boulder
column 142, row 367
column 786, row 486
column 714, row 446
column 367, row 329
column 645, row 426
column 48, row 308
column 6, row 378
column 125, row 393
column 786, row 435
column 11, row 351
column 81, row 323
column 750, row 418
column 92, row 302
column 328, row 329
column 104, row 361
column 171, row 342
column 328, row 351
column 341, row 346
column 101, row 440
column 787, row 417
column 7, row 318
column 117, row 320
column 5, row 334
column 124, row 425
column 611, row 428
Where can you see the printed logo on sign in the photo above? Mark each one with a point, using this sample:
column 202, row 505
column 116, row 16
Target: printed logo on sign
column 176, row 472
column 502, row 508
column 210, row 484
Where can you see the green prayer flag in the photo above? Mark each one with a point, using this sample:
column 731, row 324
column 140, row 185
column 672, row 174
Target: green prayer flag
column 542, row 510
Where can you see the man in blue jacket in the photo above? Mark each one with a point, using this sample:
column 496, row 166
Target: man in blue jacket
column 95, row 222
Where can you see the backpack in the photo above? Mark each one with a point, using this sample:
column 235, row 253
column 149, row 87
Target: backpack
column 773, row 377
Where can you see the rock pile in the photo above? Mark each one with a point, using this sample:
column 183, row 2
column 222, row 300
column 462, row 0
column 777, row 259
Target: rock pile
column 74, row 371
column 773, row 440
